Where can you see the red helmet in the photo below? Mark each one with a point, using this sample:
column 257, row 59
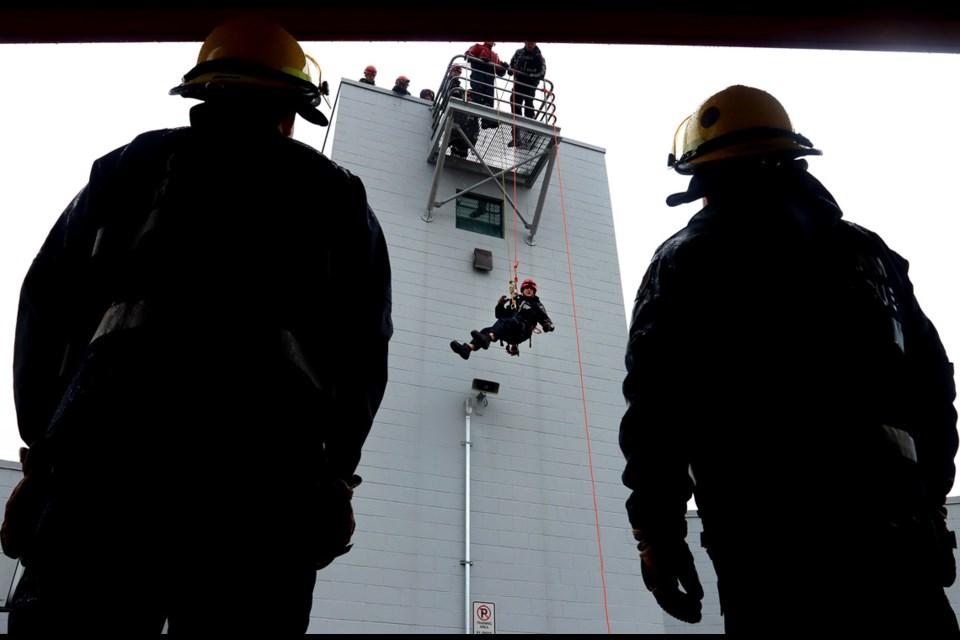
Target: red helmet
column 456, row 70
column 402, row 79
column 370, row 69
column 529, row 282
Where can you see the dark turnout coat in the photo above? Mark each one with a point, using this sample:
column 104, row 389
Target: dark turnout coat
column 528, row 68
column 225, row 243
column 177, row 359
column 517, row 321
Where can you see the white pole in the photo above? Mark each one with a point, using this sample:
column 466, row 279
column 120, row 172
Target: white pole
column 466, row 537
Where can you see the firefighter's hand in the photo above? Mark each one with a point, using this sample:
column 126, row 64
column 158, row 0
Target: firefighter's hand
column 548, row 327
column 336, row 522
column 26, row 507
column 669, row 573
column 502, row 300
column 946, row 547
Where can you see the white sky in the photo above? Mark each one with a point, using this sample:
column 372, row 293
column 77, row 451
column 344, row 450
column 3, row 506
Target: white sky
column 885, row 122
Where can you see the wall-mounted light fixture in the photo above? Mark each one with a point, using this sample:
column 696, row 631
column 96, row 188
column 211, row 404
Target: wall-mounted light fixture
column 484, row 387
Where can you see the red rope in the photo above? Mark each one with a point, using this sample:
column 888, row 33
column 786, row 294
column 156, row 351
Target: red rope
column 576, row 326
column 583, row 391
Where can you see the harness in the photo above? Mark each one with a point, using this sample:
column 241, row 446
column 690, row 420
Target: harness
column 513, row 348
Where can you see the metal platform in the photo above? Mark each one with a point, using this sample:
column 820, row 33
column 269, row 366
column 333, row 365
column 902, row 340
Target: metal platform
column 492, row 142
column 491, row 148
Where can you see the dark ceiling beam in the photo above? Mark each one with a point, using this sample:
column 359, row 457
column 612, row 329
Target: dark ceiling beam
column 899, row 28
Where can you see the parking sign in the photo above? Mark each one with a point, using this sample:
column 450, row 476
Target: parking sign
column 483, row 618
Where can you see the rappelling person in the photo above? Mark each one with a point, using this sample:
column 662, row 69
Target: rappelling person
column 517, row 318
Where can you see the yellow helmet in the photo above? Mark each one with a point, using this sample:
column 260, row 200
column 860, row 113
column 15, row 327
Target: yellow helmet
column 734, row 123
column 250, row 52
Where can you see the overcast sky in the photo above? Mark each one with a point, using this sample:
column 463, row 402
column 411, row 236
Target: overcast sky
column 885, row 122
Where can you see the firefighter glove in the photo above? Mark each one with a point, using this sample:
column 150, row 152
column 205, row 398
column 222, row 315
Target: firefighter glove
column 946, row 546
column 26, row 507
column 336, row 523
column 669, row 573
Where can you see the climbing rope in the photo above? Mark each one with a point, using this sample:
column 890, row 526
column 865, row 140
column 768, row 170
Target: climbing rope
column 576, row 324
column 516, row 254
column 583, row 391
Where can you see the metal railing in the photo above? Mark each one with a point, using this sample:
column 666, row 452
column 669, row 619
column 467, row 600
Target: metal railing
column 463, row 83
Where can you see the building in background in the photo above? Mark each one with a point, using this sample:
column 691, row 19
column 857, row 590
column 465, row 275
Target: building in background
column 519, row 516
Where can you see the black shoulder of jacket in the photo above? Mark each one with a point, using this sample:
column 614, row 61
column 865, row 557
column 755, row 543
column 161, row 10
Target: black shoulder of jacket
column 312, row 155
column 147, row 143
column 151, row 142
